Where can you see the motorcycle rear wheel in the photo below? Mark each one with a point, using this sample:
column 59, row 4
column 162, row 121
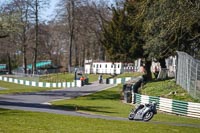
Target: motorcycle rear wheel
column 148, row 116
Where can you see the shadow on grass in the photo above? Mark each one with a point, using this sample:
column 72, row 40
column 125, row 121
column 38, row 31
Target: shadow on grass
column 72, row 107
column 99, row 96
column 40, row 107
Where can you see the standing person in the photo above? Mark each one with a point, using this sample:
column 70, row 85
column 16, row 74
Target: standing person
column 82, row 80
column 156, row 72
column 100, row 79
column 142, row 69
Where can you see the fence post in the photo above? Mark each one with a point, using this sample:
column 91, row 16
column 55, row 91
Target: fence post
column 195, row 88
column 187, row 73
column 179, row 69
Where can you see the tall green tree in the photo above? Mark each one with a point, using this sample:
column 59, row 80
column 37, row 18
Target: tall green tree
column 171, row 25
column 9, row 27
column 121, row 38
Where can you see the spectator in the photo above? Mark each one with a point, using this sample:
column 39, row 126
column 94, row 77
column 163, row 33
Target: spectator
column 156, row 71
column 100, row 79
column 142, row 70
column 82, row 80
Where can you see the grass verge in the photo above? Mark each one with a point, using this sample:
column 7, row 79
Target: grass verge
column 13, row 121
column 166, row 89
column 59, row 77
column 130, row 74
column 16, row 88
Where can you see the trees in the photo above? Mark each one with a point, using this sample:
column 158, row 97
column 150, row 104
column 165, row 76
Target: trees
column 170, row 26
column 38, row 4
column 9, row 25
column 23, row 7
column 152, row 29
column 78, row 25
column 82, row 22
column 161, row 26
column 28, row 17
column 121, row 37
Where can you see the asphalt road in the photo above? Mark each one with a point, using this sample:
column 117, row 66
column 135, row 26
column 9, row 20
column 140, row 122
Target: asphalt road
column 39, row 101
column 47, row 96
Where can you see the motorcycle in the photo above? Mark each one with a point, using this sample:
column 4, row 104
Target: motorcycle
column 143, row 112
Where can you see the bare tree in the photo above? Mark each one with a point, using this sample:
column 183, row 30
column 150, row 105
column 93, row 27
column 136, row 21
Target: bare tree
column 82, row 20
column 37, row 5
column 23, row 7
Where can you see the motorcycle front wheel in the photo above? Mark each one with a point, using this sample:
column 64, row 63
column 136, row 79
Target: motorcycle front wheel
column 148, row 116
column 131, row 116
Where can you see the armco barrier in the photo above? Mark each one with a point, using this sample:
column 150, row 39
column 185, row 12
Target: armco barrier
column 41, row 84
column 170, row 105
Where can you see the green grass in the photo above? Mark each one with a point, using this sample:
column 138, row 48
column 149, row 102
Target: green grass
column 130, row 74
column 60, row 77
column 16, row 88
column 104, row 102
column 29, row 78
column 108, row 103
column 13, row 121
column 166, row 89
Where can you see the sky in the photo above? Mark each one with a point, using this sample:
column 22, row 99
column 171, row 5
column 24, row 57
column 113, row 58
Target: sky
column 48, row 13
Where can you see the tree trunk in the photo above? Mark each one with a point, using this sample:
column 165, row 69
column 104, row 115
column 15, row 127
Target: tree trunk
column 70, row 53
column 24, row 39
column 9, row 64
column 24, row 59
column 82, row 55
column 101, row 53
column 162, row 63
column 148, row 70
column 36, row 37
column 71, row 30
column 76, row 55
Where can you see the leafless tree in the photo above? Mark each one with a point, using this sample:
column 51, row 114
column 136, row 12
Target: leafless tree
column 35, row 11
column 83, row 21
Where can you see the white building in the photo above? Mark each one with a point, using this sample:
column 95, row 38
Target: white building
column 110, row 67
column 104, row 68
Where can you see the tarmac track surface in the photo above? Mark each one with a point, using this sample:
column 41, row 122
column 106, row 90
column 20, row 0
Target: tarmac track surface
column 38, row 102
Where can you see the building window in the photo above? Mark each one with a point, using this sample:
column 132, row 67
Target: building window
column 100, row 65
column 94, row 66
column 97, row 65
column 106, row 66
column 118, row 65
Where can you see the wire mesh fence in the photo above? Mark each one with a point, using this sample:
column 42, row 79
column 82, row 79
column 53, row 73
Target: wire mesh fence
column 188, row 74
